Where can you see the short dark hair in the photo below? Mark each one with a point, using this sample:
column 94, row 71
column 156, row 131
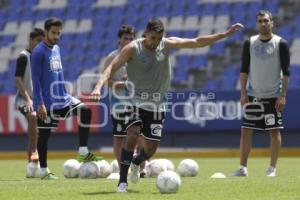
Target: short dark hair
column 52, row 21
column 126, row 29
column 155, row 25
column 36, row 32
column 263, row 13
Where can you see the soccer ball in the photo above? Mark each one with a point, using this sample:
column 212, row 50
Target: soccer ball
column 188, row 167
column 167, row 163
column 104, row 169
column 32, row 170
column 155, row 167
column 168, row 182
column 114, row 166
column 71, row 168
column 89, row 170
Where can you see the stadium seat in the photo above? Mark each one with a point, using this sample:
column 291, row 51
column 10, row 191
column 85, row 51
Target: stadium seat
column 212, row 85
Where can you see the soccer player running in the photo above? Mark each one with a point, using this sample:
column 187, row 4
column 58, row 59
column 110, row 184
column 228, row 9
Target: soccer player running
column 149, row 71
column 116, row 85
column 24, row 92
column 265, row 58
column 51, row 99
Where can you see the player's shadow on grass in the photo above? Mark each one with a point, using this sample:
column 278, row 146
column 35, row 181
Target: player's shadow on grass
column 108, row 192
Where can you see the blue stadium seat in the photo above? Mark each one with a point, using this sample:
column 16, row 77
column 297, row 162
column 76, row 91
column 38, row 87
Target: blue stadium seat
column 198, row 62
column 6, row 40
column 183, row 61
column 175, row 10
column 174, row 33
column 190, row 34
column 271, row 6
column 180, row 75
column 217, row 48
column 59, row 13
column 209, row 9
column 253, row 7
column 193, row 9
column 73, row 12
column 161, row 10
column 222, row 8
column 238, row 9
column 229, row 83
column 40, row 15
column 212, row 85
column 286, row 32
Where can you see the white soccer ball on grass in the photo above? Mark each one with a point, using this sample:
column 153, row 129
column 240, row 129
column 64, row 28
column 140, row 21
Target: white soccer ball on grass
column 188, row 167
column 168, row 182
column 32, row 170
column 104, row 169
column 114, row 166
column 155, row 167
column 71, row 168
column 89, row 170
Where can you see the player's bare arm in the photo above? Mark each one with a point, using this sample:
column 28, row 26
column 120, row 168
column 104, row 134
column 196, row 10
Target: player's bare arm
column 24, row 93
column 111, row 83
column 244, row 96
column 124, row 56
column 281, row 100
column 201, row 41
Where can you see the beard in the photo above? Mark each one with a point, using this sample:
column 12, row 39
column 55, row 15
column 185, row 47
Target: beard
column 265, row 31
column 51, row 42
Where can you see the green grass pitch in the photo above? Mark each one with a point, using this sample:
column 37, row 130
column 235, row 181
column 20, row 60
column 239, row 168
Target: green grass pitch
column 257, row 186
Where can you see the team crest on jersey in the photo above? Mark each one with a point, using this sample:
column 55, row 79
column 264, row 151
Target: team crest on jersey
column 264, row 50
column 160, row 56
column 55, row 64
column 270, row 119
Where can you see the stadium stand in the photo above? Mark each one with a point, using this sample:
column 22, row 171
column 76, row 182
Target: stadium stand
column 90, row 27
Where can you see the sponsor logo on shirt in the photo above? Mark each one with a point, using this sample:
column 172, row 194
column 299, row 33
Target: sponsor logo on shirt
column 55, row 64
column 156, row 129
column 264, row 50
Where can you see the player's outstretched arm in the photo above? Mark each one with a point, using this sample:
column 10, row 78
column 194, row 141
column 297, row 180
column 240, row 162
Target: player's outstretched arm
column 201, row 41
column 118, row 61
column 111, row 82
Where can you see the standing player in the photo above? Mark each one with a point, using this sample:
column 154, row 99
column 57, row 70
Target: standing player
column 117, row 90
column 265, row 58
column 149, row 70
column 24, row 93
column 51, row 99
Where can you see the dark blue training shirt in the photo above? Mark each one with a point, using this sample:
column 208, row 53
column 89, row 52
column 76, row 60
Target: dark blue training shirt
column 46, row 71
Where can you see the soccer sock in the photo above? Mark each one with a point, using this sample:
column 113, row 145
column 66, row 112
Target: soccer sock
column 272, row 168
column 126, row 158
column 141, row 157
column 83, row 151
column 44, row 170
column 42, row 146
column 84, row 125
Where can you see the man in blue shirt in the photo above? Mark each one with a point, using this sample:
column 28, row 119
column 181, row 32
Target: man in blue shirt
column 50, row 98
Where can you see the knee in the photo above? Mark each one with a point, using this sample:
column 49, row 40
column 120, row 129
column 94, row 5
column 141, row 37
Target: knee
column 133, row 131
column 132, row 136
column 275, row 135
column 31, row 117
